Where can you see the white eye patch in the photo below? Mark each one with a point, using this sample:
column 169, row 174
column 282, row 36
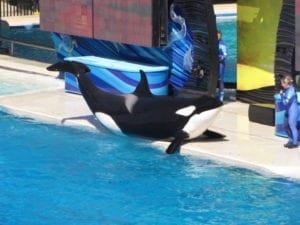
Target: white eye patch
column 187, row 111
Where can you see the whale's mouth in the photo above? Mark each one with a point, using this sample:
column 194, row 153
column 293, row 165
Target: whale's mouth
column 68, row 66
column 53, row 67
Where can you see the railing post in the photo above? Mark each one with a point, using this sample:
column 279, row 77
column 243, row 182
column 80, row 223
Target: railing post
column 18, row 7
column 11, row 48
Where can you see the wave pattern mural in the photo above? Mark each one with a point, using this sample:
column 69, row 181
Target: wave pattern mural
column 116, row 76
column 192, row 41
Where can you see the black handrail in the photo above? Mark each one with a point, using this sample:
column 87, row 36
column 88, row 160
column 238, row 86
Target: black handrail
column 14, row 42
column 18, row 7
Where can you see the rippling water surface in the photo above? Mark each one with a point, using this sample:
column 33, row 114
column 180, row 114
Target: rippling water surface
column 57, row 175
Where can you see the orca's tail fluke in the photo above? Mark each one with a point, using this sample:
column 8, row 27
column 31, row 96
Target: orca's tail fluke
column 73, row 67
column 176, row 143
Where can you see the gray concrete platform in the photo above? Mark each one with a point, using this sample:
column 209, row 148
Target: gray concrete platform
column 229, row 9
column 247, row 144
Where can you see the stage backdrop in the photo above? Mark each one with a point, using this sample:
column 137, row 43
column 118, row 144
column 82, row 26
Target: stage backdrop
column 142, row 22
column 297, row 64
column 257, row 30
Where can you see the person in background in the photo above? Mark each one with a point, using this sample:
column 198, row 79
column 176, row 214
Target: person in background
column 222, row 58
column 289, row 99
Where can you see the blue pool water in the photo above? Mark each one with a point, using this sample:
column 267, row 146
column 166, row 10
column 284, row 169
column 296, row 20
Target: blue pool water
column 53, row 175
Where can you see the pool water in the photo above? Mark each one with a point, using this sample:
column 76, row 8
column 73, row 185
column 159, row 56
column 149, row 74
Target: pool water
column 54, row 175
column 228, row 26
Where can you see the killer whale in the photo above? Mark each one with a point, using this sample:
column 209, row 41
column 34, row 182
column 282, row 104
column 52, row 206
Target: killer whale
column 144, row 114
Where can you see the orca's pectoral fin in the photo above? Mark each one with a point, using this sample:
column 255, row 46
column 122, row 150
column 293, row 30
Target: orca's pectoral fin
column 176, row 143
column 213, row 135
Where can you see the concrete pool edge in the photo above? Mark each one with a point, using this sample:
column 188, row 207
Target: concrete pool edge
column 229, row 161
column 85, row 122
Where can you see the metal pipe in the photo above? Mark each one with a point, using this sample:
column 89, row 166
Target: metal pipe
column 13, row 42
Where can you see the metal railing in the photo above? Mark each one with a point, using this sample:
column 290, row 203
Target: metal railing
column 18, row 7
column 14, row 42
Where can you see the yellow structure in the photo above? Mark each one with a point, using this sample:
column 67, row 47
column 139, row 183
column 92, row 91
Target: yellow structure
column 257, row 28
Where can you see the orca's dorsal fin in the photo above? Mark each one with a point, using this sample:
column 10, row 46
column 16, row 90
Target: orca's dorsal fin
column 142, row 89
